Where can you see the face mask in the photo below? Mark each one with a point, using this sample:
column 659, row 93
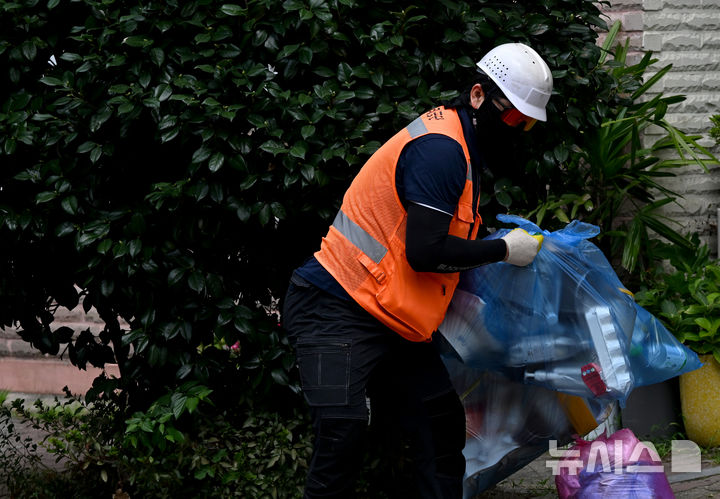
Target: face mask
column 494, row 137
column 514, row 118
column 488, row 114
column 486, row 117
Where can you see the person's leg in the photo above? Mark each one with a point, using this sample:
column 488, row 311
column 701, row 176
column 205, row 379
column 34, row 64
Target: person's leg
column 337, row 346
column 447, row 427
column 339, row 420
column 415, row 389
column 337, row 456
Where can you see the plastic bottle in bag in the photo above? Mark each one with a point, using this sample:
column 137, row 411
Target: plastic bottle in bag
column 563, row 377
column 536, row 349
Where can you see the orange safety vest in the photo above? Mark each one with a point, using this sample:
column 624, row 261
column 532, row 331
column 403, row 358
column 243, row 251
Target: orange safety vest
column 364, row 249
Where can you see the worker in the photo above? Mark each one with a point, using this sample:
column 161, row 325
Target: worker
column 362, row 311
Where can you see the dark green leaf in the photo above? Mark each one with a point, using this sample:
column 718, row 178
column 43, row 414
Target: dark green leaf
column 287, row 50
column 105, row 246
column 273, row 147
column 175, row 276
column 280, row 377
column 299, row 150
column 51, row 81
column 184, row 371
column 232, row 9
column 201, row 154
column 64, row 229
column 134, row 247
column 264, row 214
column 305, row 55
column 107, row 287
column 44, row 197
column 307, row 131
column 70, row 205
column 96, row 153
column 86, row 147
column 216, row 162
column 196, row 281
column 157, row 55
column 178, row 404
column 503, row 198
column 138, row 41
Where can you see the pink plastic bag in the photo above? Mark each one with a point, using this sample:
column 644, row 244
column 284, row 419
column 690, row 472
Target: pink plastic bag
column 616, row 466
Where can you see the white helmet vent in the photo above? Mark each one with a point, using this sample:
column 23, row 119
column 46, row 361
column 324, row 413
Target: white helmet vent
column 497, row 68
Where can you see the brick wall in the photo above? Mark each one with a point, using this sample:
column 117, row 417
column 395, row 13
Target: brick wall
column 630, row 14
column 686, row 34
column 12, row 346
column 24, row 369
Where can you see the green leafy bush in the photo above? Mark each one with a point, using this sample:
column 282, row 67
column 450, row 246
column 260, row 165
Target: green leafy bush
column 686, row 296
column 264, row 454
column 17, row 453
column 169, row 163
column 29, row 470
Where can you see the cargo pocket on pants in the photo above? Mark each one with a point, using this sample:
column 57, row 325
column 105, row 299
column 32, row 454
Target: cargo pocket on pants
column 324, row 372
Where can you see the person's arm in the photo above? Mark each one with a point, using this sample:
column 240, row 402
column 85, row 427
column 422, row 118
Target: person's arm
column 431, row 178
column 429, row 247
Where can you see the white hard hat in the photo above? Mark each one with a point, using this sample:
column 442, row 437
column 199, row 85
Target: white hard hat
column 522, row 75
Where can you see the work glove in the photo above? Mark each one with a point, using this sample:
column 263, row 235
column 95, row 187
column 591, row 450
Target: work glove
column 521, row 247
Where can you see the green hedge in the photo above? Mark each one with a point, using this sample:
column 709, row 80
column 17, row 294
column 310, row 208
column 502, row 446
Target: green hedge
column 170, row 162
column 229, row 455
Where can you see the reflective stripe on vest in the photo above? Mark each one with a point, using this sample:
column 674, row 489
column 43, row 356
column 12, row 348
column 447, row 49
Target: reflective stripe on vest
column 359, row 237
column 417, row 128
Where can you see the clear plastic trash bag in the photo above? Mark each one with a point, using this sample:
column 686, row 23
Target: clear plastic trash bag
column 508, row 423
column 655, row 354
column 566, row 320
column 616, row 466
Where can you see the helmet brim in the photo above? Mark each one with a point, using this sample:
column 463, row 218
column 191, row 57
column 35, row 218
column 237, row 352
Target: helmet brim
column 539, row 113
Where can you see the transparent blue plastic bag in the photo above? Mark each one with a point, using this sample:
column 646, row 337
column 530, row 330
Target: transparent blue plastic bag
column 655, row 354
column 566, row 310
column 508, row 423
column 566, row 319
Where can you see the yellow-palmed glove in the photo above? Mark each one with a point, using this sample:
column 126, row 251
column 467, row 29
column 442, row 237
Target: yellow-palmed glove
column 521, row 247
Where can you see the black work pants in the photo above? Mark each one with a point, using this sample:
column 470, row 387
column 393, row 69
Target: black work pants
column 344, row 355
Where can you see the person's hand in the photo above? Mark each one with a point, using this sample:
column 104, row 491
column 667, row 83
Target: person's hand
column 521, row 247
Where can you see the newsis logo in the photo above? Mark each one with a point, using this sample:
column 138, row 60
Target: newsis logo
column 644, row 458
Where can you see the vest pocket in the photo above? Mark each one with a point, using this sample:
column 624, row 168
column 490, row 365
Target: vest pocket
column 465, row 212
column 418, row 300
